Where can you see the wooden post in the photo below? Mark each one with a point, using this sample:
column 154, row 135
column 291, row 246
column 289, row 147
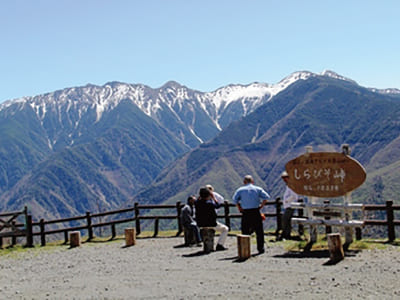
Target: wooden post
column 156, row 221
column 113, row 231
column 390, row 218
column 278, row 215
column 75, row 239
column 130, row 237
column 207, row 234
column 89, row 226
column 358, row 233
column 66, row 237
column 137, row 218
column 313, row 228
column 189, row 238
column 243, row 242
column 300, row 213
column 178, row 217
column 335, row 247
column 328, row 229
column 29, row 231
column 313, row 233
column 42, row 233
column 348, row 216
column 226, row 213
column 13, row 238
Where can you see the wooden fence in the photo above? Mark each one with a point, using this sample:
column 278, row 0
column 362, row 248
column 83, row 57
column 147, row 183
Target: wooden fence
column 10, row 228
column 139, row 213
column 390, row 221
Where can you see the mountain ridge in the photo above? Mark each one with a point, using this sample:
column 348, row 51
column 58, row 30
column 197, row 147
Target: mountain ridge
column 323, row 113
column 109, row 94
column 96, row 147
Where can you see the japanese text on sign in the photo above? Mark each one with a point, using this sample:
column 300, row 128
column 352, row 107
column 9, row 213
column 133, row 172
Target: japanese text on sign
column 319, row 173
column 324, row 174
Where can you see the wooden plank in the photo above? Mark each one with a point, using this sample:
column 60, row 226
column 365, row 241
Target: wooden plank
column 306, row 221
column 351, row 223
column 350, row 206
column 13, row 233
column 318, row 213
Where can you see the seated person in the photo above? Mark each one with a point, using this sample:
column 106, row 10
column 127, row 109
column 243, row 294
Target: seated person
column 188, row 221
column 206, row 215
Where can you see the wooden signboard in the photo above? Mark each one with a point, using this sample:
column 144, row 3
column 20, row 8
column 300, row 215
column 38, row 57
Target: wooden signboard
column 324, row 174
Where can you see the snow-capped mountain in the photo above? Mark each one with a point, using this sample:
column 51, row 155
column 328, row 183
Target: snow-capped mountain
column 80, row 148
column 170, row 103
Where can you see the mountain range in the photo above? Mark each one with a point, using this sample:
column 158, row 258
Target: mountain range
column 95, row 148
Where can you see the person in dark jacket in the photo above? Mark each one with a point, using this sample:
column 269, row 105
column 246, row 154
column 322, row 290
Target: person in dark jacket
column 187, row 218
column 206, row 216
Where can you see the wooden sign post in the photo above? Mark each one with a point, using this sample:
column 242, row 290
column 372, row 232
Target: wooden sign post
column 324, row 175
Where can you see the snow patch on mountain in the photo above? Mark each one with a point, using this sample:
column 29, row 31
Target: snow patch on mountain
column 252, row 95
column 386, row 91
column 332, row 74
column 226, row 95
column 171, row 95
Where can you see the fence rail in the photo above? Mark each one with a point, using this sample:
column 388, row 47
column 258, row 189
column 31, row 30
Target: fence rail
column 390, row 222
column 90, row 221
column 10, row 228
column 140, row 213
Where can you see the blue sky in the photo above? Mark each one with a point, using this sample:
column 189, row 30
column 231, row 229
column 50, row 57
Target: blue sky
column 48, row 45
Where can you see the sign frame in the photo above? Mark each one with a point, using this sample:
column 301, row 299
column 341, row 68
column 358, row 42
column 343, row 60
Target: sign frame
column 324, row 174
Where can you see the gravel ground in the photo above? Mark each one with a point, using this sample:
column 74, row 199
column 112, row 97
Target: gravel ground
column 160, row 269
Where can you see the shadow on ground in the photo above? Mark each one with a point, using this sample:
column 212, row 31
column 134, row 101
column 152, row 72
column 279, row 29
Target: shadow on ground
column 316, row 254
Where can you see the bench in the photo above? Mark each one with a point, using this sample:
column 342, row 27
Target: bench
column 327, row 214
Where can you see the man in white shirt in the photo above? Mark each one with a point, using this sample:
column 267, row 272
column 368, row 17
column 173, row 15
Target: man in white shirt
column 288, row 197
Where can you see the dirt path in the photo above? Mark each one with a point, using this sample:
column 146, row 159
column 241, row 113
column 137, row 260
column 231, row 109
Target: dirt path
column 157, row 269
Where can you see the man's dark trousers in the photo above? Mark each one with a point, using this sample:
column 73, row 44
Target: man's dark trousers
column 252, row 221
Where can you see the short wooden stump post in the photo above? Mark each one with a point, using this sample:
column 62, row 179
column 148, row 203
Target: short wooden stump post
column 243, row 242
column 335, row 247
column 74, row 239
column 130, row 237
column 189, row 237
column 207, row 234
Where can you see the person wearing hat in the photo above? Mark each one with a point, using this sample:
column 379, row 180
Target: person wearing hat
column 288, row 197
column 249, row 199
